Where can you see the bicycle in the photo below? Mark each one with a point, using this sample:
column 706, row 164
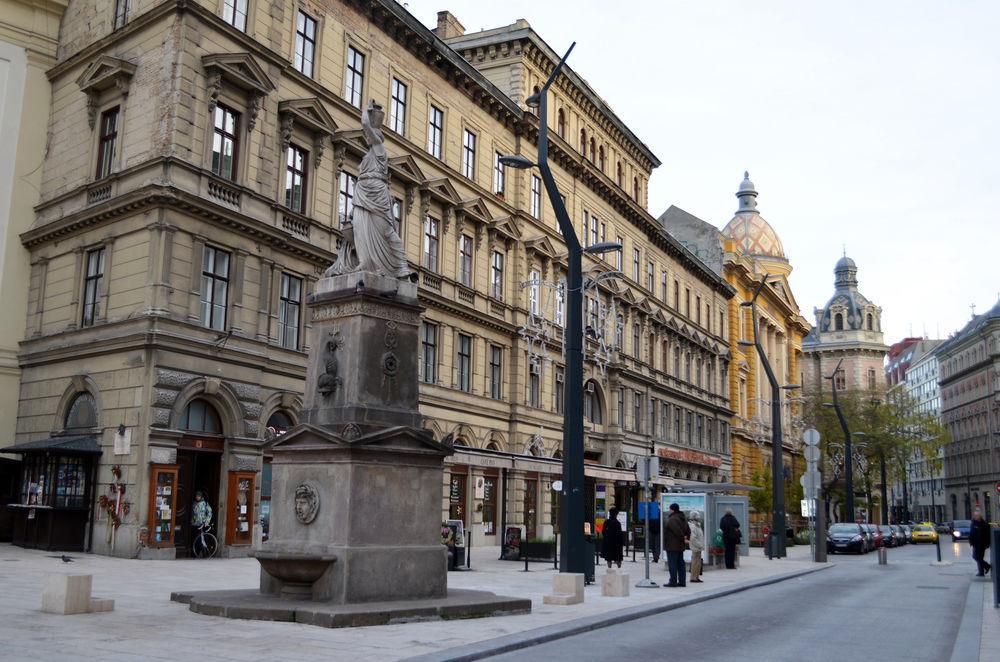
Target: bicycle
column 205, row 543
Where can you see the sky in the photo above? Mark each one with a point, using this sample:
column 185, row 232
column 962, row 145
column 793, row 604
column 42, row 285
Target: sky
column 865, row 126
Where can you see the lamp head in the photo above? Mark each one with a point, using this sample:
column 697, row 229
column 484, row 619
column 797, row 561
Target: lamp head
column 534, row 101
column 603, row 247
column 517, row 161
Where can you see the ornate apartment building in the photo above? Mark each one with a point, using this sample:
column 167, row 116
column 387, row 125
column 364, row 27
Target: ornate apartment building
column 202, row 156
column 969, row 382
column 746, row 250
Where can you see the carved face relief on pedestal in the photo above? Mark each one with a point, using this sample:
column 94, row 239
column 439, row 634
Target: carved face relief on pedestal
column 306, row 503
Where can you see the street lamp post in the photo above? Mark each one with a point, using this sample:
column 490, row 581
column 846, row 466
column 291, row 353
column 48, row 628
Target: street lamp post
column 776, row 544
column 572, row 554
column 848, row 461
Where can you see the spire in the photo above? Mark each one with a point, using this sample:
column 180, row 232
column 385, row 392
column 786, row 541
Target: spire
column 747, row 195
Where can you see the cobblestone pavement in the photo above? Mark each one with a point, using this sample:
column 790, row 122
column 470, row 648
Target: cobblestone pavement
column 146, row 625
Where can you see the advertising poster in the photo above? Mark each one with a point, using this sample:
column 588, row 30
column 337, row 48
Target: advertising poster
column 687, row 503
column 600, row 506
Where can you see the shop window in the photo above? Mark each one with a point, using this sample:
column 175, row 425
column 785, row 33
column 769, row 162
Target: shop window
column 55, row 481
column 162, row 501
column 82, row 413
column 489, row 505
column 200, row 416
column 239, row 523
column 456, row 497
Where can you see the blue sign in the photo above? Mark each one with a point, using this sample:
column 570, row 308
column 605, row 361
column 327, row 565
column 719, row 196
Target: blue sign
column 654, row 511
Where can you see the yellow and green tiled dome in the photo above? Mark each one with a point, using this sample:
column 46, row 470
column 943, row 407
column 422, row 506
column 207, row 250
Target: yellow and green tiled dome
column 752, row 233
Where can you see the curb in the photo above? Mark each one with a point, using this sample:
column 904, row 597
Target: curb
column 528, row 638
column 968, row 637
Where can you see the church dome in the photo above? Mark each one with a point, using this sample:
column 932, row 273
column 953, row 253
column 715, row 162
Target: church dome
column 848, row 309
column 749, row 230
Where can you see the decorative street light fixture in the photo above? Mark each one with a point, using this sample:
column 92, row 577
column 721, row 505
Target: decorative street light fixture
column 572, row 555
column 848, row 464
column 776, row 544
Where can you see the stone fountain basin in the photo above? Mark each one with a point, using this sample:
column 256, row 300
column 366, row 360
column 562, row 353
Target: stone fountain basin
column 294, row 568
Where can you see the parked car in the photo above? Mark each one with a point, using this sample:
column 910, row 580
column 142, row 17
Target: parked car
column 908, row 532
column 846, row 537
column 944, row 527
column 900, row 533
column 888, row 536
column 924, row 533
column 876, row 536
column 960, row 529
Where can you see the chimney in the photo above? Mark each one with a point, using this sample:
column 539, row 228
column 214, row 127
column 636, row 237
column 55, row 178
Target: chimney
column 448, row 26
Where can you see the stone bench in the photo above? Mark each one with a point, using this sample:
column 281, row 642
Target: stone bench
column 70, row 594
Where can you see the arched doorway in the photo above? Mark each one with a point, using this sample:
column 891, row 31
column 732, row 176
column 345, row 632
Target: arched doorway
column 199, row 461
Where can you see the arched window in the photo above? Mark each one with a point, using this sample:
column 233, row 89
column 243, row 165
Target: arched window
column 561, row 124
column 619, row 176
column 492, row 446
column 278, row 424
column 870, row 322
column 838, row 322
column 535, row 90
column 635, row 189
column 82, row 413
column 593, row 150
column 200, row 416
column 600, row 157
column 583, row 142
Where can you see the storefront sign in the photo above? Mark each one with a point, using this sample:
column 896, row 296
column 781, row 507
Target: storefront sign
column 690, row 457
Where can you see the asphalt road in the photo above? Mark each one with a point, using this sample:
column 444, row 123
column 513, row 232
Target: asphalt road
column 908, row 610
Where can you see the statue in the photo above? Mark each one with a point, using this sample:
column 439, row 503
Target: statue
column 371, row 242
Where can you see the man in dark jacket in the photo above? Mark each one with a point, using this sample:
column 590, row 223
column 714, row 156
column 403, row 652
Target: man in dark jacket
column 675, row 539
column 979, row 538
column 731, row 535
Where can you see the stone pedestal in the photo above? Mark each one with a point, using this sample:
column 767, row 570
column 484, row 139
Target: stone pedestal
column 567, row 589
column 615, row 584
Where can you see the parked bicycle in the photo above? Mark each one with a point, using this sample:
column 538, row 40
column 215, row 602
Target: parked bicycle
column 205, row 543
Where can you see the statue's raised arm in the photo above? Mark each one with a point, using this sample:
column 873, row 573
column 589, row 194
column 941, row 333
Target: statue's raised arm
column 372, row 117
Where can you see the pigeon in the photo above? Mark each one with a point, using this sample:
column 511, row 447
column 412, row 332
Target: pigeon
column 66, row 559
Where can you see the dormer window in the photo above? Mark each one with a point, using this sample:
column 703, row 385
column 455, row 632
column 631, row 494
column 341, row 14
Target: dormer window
column 870, row 322
column 838, row 322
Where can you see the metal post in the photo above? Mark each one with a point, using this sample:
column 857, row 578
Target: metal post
column 820, row 533
column 848, row 453
column 647, row 582
column 937, row 536
column 885, row 504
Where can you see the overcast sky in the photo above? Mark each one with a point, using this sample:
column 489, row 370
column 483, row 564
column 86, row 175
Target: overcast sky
column 867, row 124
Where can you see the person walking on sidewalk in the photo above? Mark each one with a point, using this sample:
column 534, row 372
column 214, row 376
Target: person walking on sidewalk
column 676, row 534
column 612, row 539
column 697, row 546
column 731, row 535
column 979, row 538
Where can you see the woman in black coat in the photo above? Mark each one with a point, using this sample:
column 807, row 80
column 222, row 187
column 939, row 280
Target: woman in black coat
column 612, row 540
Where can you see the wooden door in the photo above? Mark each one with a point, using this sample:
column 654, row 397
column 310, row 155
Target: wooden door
column 530, row 509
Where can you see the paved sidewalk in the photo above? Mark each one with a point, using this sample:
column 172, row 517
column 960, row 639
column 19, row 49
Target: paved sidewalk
column 989, row 641
column 145, row 624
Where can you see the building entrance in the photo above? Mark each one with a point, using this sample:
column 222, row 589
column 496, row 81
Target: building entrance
column 198, row 470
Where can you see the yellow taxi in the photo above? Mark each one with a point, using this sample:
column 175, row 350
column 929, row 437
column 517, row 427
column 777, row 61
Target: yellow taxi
column 924, row 533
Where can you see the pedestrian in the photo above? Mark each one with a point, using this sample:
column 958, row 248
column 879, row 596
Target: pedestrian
column 697, row 546
column 676, row 535
column 731, row 536
column 979, row 538
column 612, row 539
column 654, row 538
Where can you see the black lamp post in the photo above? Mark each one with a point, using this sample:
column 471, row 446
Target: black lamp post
column 776, row 545
column 572, row 555
column 848, row 457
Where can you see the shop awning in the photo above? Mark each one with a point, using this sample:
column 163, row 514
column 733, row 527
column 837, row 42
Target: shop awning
column 75, row 445
column 695, row 486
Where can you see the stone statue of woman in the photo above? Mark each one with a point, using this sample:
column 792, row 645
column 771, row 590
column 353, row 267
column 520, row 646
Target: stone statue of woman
column 370, row 241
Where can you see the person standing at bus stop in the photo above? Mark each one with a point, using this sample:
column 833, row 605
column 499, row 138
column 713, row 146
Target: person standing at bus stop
column 731, row 535
column 676, row 534
column 697, row 546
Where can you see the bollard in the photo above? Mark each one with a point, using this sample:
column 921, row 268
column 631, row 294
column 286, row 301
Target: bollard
column 468, row 551
column 555, row 552
column 525, row 552
column 883, row 556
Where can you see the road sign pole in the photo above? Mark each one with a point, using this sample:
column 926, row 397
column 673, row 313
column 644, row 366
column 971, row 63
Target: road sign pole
column 647, row 462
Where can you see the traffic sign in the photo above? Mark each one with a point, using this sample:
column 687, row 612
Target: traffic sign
column 998, row 488
column 811, row 453
column 810, row 482
column 811, row 437
column 808, row 507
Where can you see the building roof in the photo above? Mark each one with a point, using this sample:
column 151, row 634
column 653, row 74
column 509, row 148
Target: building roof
column 748, row 228
column 80, row 444
column 978, row 321
column 846, row 294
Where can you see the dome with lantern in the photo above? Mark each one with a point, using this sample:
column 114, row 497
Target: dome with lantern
column 750, row 231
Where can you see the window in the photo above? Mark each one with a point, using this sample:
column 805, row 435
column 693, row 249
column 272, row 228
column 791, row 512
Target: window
column 593, row 313
column 200, row 416
column 677, row 362
column 618, row 253
column 214, row 288
column 397, row 107
column 650, row 269
column 701, row 430
column 234, row 12
column 289, row 305
column 82, row 413
column 635, row 189
column 664, row 419
column 592, row 410
column 664, row 289
column 533, row 279
column 838, row 322
column 106, row 142
column 534, row 384
column 345, row 197
column 431, row 229
column 435, row 131
column 677, row 425
column 496, row 275
column 499, row 175
column 619, row 176
column 840, row 380
column 225, row 141
column 593, row 150
column 722, row 323
column 469, row 154
column 560, row 394
column 354, row 79
column 690, row 428
column 635, row 265
column 536, row 196
column 397, row 215
column 619, row 332
column 621, row 408
column 305, row 44
column 560, row 303
column 496, row 372
column 463, row 363
column 490, row 506
column 677, row 296
column 637, row 411
column 652, row 417
column 687, row 302
column 871, row 379
column 296, row 165
column 561, row 123
column 121, row 12
column 92, row 286
column 465, row 260
column 697, row 309
column 869, row 322
column 583, row 142
column 593, row 230
column 428, row 356
column 586, row 228
column 636, row 350
column 600, row 158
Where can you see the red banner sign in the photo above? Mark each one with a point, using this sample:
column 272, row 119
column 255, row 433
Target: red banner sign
column 690, row 457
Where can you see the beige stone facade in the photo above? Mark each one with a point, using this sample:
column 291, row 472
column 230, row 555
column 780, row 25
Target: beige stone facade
column 168, row 281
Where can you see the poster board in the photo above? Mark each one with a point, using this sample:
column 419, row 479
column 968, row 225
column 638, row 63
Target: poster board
column 688, row 502
column 458, row 529
column 511, row 550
